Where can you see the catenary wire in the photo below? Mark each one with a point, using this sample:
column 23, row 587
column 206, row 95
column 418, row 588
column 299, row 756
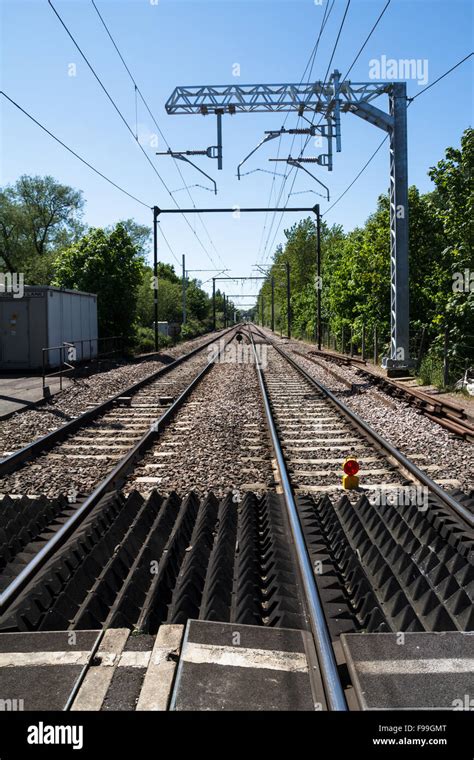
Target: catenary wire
column 152, row 116
column 89, row 165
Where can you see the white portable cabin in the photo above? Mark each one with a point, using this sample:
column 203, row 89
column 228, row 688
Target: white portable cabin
column 45, row 317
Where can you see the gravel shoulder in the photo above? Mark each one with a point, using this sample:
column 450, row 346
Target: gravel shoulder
column 217, row 441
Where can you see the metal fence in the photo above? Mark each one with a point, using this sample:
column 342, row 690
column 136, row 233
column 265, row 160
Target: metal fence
column 445, row 366
column 70, row 354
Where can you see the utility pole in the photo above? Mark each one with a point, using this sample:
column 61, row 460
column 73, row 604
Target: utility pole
column 225, row 312
column 446, row 358
column 155, row 272
column 288, row 298
column 318, row 275
column 399, row 308
column 184, row 289
column 263, row 312
column 273, row 304
column 213, row 303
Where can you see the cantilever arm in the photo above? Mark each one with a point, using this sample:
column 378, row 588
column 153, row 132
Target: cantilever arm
column 184, row 158
column 270, row 136
column 296, row 163
column 293, row 162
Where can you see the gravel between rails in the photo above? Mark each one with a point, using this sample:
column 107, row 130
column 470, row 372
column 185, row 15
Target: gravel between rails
column 412, row 433
column 26, row 426
column 217, row 441
column 80, row 462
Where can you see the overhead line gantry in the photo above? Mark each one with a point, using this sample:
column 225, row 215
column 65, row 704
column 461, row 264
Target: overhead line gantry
column 331, row 98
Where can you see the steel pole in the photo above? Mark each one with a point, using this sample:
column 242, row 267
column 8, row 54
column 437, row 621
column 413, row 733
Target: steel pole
column 155, row 272
column 213, row 303
column 184, row 289
column 273, row 304
column 446, row 358
column 318, row 275
column 288, row 298
column 399, row 311
column 219, row 113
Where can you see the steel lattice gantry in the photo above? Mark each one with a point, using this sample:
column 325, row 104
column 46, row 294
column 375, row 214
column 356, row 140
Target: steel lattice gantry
column 330, row 99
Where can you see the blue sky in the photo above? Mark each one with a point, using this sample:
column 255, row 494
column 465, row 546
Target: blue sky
column 176, row 42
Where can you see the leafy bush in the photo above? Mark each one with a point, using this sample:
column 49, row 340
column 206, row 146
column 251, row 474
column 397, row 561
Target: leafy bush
column 191, row 329
column 145, row 340
column 431, row 371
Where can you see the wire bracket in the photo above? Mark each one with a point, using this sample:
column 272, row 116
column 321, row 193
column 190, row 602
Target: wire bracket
column 181, row 155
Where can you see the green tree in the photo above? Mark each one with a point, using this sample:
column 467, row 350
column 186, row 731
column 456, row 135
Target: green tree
column 198, row 302
column 140, row 234
column 169, row 296
column 106, row 263
column 453, row 207
column 170, row 293
column 38, row 216
column 454, row 198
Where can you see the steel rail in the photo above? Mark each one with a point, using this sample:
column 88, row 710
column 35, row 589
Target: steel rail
column 46, row 442
column 452, row 504
column 112, row 481
column 80, row 678
column 322, row 638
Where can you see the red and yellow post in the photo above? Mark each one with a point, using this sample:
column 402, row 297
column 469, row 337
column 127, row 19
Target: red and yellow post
column 350, row 478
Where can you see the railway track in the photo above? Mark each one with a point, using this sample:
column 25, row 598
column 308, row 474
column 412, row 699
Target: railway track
column 31, row 530
column 444, row 412
column 76, row 455
column 371, row 565
column 301, row 556
column 217, row 441
column 319, row 430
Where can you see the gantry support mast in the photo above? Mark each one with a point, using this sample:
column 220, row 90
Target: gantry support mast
column 330, row 99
